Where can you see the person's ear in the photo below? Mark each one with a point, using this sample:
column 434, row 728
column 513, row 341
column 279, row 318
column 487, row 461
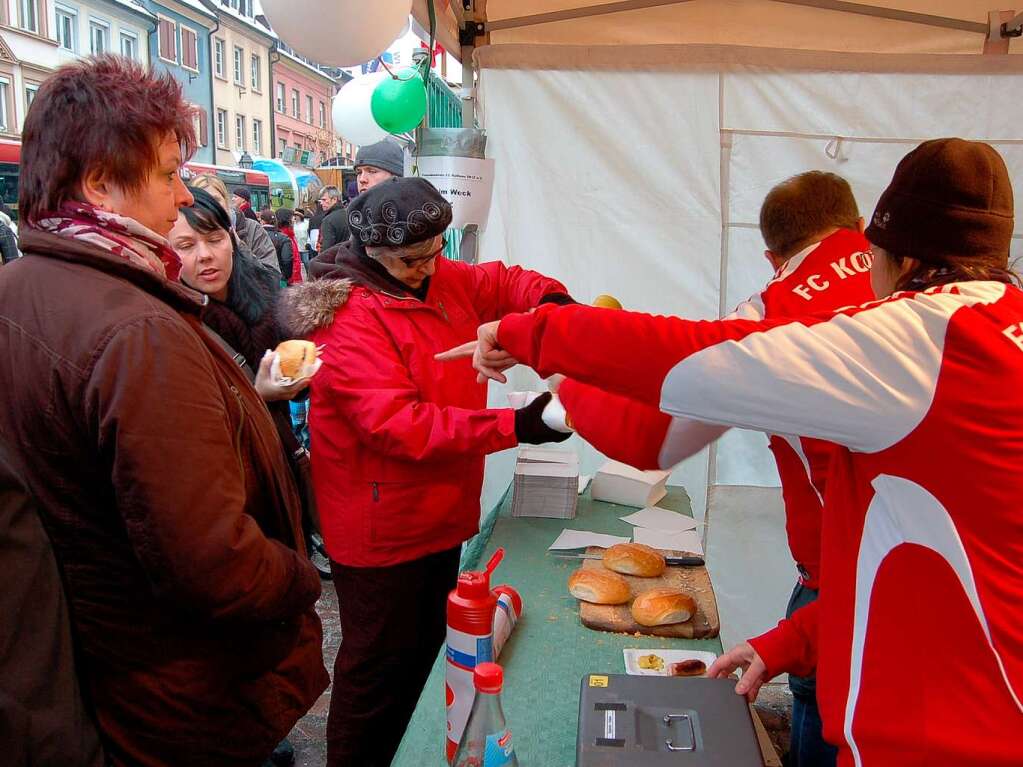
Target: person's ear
column 908, row 265
column 775, row 261
column 97, row 189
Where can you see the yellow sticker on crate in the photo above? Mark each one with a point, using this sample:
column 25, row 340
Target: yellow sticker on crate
column 598, row 681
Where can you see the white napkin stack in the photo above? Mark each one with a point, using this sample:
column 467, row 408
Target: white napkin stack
column 546, row 484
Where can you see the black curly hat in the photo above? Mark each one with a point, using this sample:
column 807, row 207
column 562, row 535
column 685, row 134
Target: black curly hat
column 398, row 212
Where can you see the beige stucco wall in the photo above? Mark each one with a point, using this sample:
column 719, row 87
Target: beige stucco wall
column 243, row 100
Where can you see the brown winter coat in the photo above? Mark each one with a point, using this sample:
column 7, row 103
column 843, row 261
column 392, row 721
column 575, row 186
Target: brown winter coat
column 162, row 483
column 42, row 720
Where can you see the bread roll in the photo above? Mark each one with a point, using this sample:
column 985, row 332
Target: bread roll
column 601, row 587
column 634, row 559
column 605, row 301
column 662, row 606
column 295, row 355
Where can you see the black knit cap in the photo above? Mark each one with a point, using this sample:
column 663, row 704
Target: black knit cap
column 398, row 212
column 948, row 198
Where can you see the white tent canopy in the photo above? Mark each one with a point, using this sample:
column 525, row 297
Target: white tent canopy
column 633, row 150
column 886, row 26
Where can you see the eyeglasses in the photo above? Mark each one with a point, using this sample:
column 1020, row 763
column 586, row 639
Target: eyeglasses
column 412, row 263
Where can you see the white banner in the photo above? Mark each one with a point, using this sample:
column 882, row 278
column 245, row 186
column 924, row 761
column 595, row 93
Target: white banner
column 467, row 183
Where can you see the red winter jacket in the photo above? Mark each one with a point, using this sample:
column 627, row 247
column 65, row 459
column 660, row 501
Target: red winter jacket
column 399, row 439
column 919, row 639
column 823, row 277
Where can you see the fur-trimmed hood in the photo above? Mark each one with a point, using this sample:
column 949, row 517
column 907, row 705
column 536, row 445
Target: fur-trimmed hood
column 310, row 306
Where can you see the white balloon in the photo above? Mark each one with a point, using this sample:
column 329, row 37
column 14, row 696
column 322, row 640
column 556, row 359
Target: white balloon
column 340, row 33
column 353, row 113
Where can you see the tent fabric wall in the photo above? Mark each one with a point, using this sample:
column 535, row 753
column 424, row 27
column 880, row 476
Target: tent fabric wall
column 587, row 183
column 647, row 184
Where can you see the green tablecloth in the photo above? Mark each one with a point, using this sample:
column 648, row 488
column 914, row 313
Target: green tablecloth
column 550, row 650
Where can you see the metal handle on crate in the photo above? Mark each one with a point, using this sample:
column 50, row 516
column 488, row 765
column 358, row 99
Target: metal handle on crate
column 668, row 719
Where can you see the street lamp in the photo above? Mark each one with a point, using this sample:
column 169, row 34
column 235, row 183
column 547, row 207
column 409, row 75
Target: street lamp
column 245, row 161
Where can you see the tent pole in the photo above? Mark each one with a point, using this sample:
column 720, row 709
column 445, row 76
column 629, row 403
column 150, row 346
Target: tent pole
column 471, row 36
column 893, row 14
column 468, row 94
column 578, row 13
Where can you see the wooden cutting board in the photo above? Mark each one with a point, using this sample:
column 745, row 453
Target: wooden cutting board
column 695, row 581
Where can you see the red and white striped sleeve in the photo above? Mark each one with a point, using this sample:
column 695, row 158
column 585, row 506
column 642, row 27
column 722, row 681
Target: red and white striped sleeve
column 862, row 377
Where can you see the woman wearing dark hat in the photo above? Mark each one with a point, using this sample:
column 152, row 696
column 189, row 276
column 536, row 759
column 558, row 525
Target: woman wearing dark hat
column 917, row 631
column 399, row 443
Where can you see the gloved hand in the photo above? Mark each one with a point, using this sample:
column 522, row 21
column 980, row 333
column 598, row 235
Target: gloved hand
column 269, row 385
column 529, row 426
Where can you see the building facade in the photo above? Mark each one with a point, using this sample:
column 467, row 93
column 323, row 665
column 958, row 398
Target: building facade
column 180, row 44
column 37, row 36
column 242, row 119
column 302, row 100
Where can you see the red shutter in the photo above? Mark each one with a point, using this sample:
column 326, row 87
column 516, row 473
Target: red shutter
column 204, row 127
column 164, row 40
column 188, row 54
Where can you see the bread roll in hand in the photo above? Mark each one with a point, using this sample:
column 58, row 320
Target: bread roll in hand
column 601, row 587
column 634, row 559
column 662, row 607
column 295, row 355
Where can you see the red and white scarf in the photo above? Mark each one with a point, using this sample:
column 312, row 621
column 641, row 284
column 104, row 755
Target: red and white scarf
column 118, row 235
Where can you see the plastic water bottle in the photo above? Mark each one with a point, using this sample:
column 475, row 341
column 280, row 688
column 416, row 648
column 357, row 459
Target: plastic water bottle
column 470, row 642
column 487, row 741
column 509, row 608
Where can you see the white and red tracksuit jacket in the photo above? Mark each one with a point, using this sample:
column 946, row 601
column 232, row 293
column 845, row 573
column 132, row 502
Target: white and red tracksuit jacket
column 824, row 277
column 920, row 647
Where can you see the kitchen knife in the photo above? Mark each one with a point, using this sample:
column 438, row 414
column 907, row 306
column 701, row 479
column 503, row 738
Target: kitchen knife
column 670, row 561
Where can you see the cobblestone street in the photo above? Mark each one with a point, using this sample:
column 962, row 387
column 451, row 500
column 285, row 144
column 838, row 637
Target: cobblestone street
column 309, row 735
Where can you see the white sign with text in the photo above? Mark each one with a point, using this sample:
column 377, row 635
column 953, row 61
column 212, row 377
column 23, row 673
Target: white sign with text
column 467, row 183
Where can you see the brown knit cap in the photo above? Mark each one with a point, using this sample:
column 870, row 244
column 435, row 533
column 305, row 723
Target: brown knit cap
column 948, row 198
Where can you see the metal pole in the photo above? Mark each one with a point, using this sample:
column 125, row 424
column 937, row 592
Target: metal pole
column 893, row 14
column 578, row 13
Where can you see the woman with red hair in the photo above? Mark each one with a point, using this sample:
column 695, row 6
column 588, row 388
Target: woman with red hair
column 156, row 467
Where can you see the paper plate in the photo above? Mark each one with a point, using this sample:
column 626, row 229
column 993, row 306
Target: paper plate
column 668, row 657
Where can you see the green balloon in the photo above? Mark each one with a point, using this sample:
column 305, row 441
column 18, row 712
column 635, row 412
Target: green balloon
column 399, row 105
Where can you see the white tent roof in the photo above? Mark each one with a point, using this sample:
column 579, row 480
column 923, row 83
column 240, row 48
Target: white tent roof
column 883, row 26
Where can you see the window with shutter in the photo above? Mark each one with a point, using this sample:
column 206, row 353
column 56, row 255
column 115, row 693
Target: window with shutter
column 168, row 40
column 189, row 49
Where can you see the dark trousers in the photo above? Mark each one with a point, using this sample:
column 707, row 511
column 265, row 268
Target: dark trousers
column 808, row 747
column 393, row 623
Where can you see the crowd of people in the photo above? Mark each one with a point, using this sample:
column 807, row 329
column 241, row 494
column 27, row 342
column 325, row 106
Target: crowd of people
column 158, row 510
